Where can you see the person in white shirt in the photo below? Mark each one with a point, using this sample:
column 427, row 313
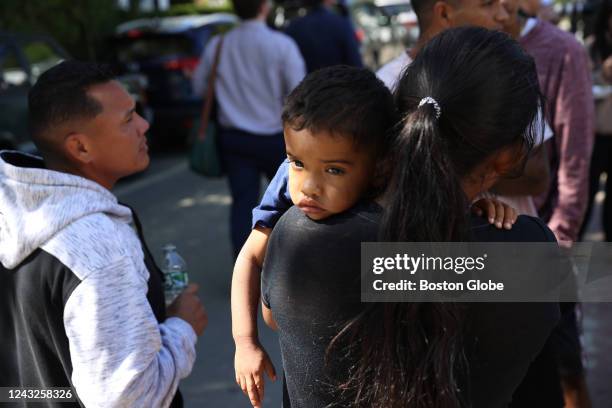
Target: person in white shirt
column 258, row 67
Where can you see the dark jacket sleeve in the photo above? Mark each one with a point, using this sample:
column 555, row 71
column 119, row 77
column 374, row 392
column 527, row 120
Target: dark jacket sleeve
column 505, row 339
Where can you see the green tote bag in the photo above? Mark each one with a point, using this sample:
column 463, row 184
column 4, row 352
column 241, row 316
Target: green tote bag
column 204, row 157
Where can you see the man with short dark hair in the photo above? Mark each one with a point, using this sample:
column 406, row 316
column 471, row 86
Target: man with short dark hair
column 81, row 298
column 248, row 9
column 435, row 16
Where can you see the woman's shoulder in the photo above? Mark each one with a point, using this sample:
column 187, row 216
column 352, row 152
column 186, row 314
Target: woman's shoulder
column 362, row 213
column 324, row 251
column 525, row 229
column 360, row 222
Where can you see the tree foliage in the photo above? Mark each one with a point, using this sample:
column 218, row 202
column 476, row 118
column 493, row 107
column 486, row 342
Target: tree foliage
column 80, row 26
column 83, row 27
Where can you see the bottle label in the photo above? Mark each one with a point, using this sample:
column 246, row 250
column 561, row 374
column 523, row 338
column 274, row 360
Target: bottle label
column 177, row 279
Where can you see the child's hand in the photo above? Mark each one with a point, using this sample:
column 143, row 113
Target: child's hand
column 250, row 362
column 497, row 212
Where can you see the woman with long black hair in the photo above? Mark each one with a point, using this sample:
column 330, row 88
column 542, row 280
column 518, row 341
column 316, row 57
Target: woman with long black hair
column 468, row 105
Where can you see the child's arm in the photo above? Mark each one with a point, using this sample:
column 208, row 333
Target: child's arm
column 251, row 360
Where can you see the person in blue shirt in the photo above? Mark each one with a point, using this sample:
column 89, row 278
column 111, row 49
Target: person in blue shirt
column 324, row 37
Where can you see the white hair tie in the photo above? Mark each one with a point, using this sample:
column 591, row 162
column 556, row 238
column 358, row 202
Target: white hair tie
column 429, row 99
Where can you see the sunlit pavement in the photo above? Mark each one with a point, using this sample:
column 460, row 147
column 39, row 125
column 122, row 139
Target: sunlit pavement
column 178, row 206
column 192, row 212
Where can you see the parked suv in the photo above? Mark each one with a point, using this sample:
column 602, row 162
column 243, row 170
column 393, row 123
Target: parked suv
column 166, row 50
column 22, row 59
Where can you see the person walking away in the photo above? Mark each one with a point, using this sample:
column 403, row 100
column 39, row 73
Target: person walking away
column 258, row 67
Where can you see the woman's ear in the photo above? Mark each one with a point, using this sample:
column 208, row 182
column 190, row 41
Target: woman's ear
column 484, row 176
column 508, row 161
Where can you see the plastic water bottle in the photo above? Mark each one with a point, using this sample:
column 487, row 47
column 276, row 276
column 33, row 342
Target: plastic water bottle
column 175, row 273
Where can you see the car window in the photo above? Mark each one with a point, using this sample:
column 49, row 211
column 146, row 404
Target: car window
column 395, row 9
column 148, row 47
column 41, row 57
column 12, row 72
column 142, row 47
column 221, row 28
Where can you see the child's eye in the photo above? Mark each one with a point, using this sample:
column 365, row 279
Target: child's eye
column 298, row 164
column 335, row 171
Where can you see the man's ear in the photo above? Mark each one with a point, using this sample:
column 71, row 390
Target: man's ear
column 442, row 13
column 78, row 148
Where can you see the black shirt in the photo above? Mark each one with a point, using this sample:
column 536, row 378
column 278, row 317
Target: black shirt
column 311, row 281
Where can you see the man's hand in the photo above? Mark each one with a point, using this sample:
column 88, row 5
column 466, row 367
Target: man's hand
column 250, row 362
column 497, row 212
column 188, row 307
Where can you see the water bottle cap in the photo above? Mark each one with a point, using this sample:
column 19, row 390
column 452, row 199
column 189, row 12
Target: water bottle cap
column 169, row 247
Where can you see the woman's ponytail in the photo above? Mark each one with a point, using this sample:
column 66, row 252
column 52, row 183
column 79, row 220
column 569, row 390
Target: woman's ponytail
column 425, row 190
column 410, row 353
column 404, row 354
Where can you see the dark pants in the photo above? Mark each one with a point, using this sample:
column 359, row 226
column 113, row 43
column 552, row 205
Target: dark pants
column 245, row 157
column 601, row 162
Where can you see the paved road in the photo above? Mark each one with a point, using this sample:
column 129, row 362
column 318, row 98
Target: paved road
column 192, row 212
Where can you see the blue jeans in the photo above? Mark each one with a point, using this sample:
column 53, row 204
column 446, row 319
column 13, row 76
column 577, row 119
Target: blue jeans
column 245, row 157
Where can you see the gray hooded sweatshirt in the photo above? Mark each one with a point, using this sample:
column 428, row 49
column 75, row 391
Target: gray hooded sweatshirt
column 119, row 354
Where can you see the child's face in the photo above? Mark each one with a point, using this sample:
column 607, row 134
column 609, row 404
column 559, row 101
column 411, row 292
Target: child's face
column 327, row 174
